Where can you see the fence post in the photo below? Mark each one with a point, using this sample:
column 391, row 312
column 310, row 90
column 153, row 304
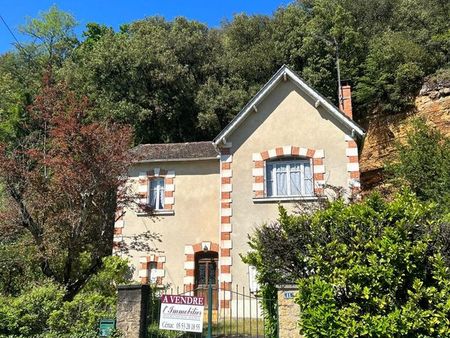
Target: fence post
column 209, row 310
column 132, row 307
column 288, row 312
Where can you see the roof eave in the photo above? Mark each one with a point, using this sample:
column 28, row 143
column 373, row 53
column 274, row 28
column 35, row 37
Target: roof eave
column 267, row 88
column 237, row 120
column 177, row 159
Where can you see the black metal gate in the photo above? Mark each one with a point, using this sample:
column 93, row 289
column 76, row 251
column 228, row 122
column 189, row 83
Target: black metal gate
column 245, row 317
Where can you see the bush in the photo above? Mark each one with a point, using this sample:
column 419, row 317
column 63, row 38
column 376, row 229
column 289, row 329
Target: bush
column 423, row 164
column 28, row 313
column 373, row 269
column 41, row 312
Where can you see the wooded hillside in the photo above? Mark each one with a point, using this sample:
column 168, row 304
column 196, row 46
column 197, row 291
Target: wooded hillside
column 182, row 81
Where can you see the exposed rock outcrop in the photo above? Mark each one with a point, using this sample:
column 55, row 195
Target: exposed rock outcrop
column 384, row 131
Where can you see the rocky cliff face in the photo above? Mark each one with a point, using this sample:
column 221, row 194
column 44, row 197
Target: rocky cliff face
column 384, row 131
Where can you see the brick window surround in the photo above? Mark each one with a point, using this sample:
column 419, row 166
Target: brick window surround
column 169, row 186
column 317, row 157
column 144, row 269
column 118, row 230
column 189, row 262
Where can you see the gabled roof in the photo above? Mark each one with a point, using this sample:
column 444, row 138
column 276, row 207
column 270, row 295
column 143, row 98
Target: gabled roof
column 283, row 72
column 189, row 151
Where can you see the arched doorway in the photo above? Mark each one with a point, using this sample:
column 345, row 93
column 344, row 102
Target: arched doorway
column 206, row 273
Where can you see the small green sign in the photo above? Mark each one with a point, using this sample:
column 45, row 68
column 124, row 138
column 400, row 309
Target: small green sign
column 106, row 327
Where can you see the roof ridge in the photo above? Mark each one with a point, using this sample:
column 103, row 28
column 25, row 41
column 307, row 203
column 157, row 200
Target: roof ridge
column 285, row 71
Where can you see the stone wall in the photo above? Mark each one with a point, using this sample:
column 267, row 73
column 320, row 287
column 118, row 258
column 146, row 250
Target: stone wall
column 288, row 312
column 132, row 306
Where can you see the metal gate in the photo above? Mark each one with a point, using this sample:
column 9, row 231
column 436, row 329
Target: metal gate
column 245, row 316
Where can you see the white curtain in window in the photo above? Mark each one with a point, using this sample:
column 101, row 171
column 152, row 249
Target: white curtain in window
column 289, row 178
column 281, row 179
column 269, row 179
column 295, row 179
column 161, row 194
column 157, row 193
column 153, row 193
column 308, row 180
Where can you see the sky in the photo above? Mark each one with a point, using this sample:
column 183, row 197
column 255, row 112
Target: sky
column 116, row 12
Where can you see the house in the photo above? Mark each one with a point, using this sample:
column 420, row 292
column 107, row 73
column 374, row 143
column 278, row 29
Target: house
column 285, row 146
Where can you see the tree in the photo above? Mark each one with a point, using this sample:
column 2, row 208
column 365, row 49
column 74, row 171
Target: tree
column 423, row 163
column 393, row 73
column 147, row 76
column 372, row 269
column 64, row 182
column 54, row 32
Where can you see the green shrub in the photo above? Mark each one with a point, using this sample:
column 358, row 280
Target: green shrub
column 27, row 314
column 423, row 163
column 372, row 269
column 41, row 312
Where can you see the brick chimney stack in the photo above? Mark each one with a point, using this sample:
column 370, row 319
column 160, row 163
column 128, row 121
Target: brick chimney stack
column 345, row 104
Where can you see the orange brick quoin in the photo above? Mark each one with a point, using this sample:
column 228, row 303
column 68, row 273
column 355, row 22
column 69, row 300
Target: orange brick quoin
column 354, row 183
column 316, row 155
column 226, row 215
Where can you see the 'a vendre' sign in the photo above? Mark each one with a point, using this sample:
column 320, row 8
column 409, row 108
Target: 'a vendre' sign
column 182, row 313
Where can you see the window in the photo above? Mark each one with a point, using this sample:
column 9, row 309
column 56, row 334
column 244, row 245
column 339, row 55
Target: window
column 152, row 266
column 289, row 177
column 157, row 194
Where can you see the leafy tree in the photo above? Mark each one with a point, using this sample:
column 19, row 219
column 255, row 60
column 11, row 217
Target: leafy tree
column 146, row 76
column 54, row 34
column 394, row 69
column 63, row 185
column 373, row 269
column 22, row 70
column 182, row 81
column 422, row 163
column 11, row 106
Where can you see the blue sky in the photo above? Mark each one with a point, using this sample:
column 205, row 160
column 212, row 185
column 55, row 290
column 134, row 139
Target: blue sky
column 116, row 12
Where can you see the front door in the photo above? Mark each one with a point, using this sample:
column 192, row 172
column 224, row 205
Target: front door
column 206, row 273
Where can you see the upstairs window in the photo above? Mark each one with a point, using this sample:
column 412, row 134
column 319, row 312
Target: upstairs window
column 156, row 194
column 289, row 177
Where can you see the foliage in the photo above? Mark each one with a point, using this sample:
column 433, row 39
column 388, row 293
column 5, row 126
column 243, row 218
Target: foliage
column 28, row 313
column 18, row 265
column 393, row 71
column 41, row 312
column 423, row 163
column 54, row 32
column 63, row 184
column 179, row 80
column 146, row 76
column 269, row 303
column 375, row 269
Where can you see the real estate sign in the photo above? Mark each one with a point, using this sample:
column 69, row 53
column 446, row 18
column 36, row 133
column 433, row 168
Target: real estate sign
column 182, row 313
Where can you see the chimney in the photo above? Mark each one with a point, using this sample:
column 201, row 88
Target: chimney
column 345, row 103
